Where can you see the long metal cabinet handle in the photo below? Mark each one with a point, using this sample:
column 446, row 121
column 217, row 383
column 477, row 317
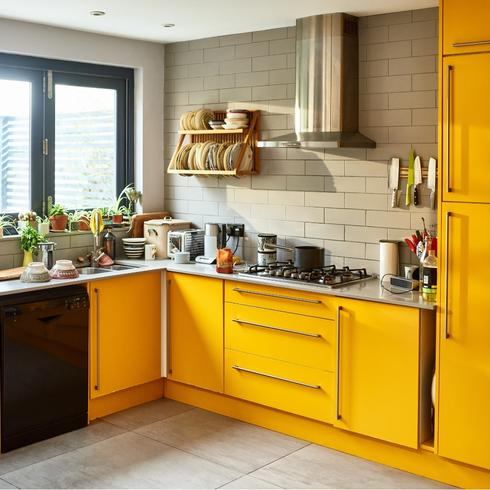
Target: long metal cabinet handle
column 279, row 378
column 270, row 327
column 97, row 340
column 278, row 296
column 446, row 281
column 448, row 128
column 169, row 348
column 470, row 43
column 338, row 416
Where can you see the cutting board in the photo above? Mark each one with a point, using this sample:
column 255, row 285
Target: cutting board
column 8, row 274
column 137, row 227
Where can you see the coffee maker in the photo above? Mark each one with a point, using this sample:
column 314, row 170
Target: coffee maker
column 214, row 238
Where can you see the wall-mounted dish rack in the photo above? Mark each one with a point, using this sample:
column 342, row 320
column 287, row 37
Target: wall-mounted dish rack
column 248, row 136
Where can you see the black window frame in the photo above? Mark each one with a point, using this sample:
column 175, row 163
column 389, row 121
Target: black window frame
column 39, row 71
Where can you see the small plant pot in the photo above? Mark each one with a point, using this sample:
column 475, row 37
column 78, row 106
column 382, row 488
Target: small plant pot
column 43, row 228
column 83, row 224
column 117, row 219
column 58, row 222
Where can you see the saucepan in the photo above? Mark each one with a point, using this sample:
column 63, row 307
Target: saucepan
column 305, row 257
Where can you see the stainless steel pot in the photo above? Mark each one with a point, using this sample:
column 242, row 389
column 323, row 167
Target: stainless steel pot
column 266, row 241
column 266, row 258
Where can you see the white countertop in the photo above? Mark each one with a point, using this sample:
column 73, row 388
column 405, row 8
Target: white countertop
column 368, row 290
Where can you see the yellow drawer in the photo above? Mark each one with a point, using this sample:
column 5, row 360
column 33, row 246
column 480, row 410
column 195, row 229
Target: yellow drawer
column 296, row 389
column 281, row 299
column 299, row 339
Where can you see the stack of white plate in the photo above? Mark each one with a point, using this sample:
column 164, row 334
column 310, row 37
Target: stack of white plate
column 134, row 248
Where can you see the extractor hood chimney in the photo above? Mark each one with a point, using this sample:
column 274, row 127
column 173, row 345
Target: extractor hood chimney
column 327, row 86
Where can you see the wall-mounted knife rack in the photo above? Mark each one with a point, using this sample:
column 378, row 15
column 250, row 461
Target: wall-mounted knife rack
column 404, row 172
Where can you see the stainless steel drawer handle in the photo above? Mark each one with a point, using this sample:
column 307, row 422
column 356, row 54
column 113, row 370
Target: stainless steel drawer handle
column 97, row 340
column 278, row 296
column 270, row 327
column 278, row 378
column 471, row 43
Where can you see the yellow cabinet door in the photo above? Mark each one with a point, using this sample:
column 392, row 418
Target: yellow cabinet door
column 466, row 26
column 466, row 128
column 464, row 326
column 195, row 354
column 125, row 332
column 378, row 383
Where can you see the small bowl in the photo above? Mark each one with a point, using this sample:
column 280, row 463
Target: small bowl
column 63, row 269
column 35, row 272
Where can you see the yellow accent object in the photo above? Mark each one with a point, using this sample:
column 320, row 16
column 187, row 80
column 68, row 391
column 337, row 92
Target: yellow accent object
column 289, row 387
column 379, row 371
column 96, row 217
column 464, row 363
column 195, row 330
column 464, row 22
column 420, row 462
column 466, row 108
column 121, row 400
column 281, row 299
column 125, row 332
column 304, row 340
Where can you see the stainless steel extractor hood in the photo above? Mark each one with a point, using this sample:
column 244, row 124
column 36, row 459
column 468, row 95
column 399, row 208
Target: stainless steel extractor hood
column 327, row 86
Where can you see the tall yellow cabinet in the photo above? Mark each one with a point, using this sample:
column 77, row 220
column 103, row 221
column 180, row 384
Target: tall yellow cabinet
column 464, row 212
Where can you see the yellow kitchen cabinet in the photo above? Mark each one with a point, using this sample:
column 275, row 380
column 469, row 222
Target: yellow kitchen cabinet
column 125, row 331
column 464, row 326
column 385, row 365
column 195, row 330
column 466, row 26
column 466, row 128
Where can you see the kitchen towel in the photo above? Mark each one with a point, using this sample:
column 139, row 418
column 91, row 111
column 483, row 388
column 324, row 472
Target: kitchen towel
column 388, row 258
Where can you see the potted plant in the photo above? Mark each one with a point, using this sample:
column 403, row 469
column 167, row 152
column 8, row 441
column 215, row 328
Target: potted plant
column 43, row 225
column 29, row 240
column 58, row 218
column 27, row 218
column 79, row 220
column 6, row 221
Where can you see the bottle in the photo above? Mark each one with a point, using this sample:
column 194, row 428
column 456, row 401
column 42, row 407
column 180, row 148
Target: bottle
column 109, row 243
column 429, row 276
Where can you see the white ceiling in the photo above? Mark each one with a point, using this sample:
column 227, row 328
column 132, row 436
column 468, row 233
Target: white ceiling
column 193, row 19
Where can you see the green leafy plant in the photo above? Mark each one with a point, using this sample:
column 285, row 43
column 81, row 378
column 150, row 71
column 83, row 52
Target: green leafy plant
column 6, row 221
column 57, row 210
column 125, row 202
column 44, row 219
column 29, row 216
column 30, row 238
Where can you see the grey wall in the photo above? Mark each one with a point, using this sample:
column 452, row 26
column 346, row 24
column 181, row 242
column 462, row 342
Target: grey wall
column 335, row 199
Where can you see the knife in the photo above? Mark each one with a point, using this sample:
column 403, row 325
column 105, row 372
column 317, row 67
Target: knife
column 393, row 181
column 410, row 180
column 417, row 176
column 431, row 181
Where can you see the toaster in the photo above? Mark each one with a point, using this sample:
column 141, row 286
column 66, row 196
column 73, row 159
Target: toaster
column 191, row 241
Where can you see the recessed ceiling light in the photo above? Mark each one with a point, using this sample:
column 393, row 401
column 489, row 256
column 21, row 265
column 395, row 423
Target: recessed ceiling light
column 97, row 13
column 169, row 24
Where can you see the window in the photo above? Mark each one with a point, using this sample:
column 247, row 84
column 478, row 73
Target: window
column 66, row 133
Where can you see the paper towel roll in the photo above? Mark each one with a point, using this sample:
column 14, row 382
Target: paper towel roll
column 388, row 258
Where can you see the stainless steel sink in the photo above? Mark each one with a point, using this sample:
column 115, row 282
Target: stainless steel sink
column 119, row 267
column 92, row 270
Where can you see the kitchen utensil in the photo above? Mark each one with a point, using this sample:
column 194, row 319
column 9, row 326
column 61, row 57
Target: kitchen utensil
column 35, row 272
column 411, row 245
column 409, row 271
column 156, row 232
column 47, row 251
column 305, row 257
column 410, row 179
column 388, row 258
column 8, row 274
column 417, row 180
column 393, row 179
column 266, row 258
column 431, row 181
column 264, row 240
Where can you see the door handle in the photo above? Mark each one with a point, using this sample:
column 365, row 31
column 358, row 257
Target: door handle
column 277, row 296
column 446, row 281
column 97, row 340
column 169, row 348
column 49, row 319
column 471, row 43
column 450, row 69
column 338, row 416
column 279, row 329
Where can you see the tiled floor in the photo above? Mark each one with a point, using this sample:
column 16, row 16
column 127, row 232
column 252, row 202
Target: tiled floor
column 165, row 444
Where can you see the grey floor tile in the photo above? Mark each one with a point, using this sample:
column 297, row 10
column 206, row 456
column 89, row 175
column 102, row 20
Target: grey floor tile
column 4, row 484
column 223, row 440
column 249, row 482
column 147, row 413
column 125, row 461
column 19, row 458
column 318, row 467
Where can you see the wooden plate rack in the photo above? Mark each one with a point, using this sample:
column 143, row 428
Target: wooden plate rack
column 249, row 136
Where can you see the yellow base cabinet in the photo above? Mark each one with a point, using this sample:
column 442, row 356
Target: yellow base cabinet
column 466, row 127
column 195, row 330
column 125, row 332
column 464, row 326
column 466, row 26
column 383, row 373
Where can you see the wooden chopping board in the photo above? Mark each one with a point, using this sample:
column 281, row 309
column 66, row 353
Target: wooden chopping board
column 137, row 227
column 7, row 274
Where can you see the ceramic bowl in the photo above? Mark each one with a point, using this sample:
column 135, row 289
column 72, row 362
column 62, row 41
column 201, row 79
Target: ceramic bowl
column 63, row 269
column 35, row 272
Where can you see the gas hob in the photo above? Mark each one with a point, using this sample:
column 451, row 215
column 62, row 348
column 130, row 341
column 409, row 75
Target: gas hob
column 328, row 276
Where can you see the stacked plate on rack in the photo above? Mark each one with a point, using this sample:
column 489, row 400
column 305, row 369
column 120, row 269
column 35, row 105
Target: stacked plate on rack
column 134, row 248
column 196, row 120
column 211, row 155
column 236, row 119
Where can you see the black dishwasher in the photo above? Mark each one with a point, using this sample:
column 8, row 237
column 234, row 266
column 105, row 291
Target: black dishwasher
column 44, row 364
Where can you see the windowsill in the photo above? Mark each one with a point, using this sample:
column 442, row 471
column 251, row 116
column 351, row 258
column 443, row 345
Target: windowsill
column 124, row 229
